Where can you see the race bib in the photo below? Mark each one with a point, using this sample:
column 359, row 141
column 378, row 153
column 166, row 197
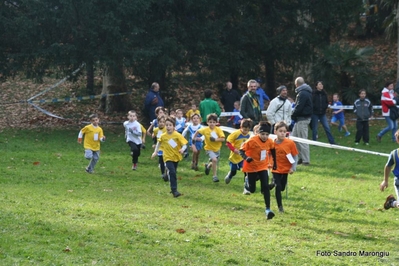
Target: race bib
column 172, row 143
column 263, row 155
column 95, row 136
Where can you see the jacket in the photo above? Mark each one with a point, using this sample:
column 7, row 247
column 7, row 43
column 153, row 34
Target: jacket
column 363, row 109
column 320, row 102
column 247, row 110
column 149, row 106
column 279, row 109
column 387, row 100
column 228, row 98
column 303, row 104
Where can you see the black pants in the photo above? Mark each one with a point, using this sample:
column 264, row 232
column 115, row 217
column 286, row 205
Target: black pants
column 280, row 180
column 135, row 151
column 161, row 164
column 263, row 176
column 362, row 131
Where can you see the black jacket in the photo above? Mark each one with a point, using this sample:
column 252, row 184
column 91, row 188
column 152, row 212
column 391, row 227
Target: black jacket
column 228, row 98
column 303, row 104
column 320, row 102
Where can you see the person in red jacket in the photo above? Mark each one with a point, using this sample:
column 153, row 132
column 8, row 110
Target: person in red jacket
column 387, row 101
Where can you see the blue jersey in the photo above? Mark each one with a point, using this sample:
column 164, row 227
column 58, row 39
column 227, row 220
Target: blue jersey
column 393, row 161
column 335, row 107
column 180, row 124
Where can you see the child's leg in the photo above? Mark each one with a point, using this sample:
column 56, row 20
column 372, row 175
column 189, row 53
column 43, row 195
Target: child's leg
column 251, row 184
column 214, row 166
column 264, row 182
column 135, row 151
column 281, row 181
column 161, row 164
column 172, row 168
column 359, row 130
column 366, row 132
column 93, row 161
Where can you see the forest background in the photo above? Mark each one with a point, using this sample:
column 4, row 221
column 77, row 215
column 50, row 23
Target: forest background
column 186, row 46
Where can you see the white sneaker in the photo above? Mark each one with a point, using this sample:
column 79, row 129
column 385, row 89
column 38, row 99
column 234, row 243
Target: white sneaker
column 227, row 179
column 246, row 192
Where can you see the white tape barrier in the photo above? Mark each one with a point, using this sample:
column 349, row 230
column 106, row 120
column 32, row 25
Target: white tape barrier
column 317, row 143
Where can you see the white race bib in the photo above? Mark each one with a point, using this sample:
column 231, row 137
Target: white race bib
column 159, row 134
column 214, row 135
column 290, row 158
column 263, row 155
column 95, row 136
column 172, row 143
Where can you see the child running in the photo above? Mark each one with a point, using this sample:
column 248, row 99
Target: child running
column 192, row 111
column 192, row 128
column 234, row 143
column 392, row 164
column 180, row 121
column 214, row 137
column 338, row 115
column 287, row 157
column 133, row 136
column 158, row 131
column 255, row 154
column 173, row 146
column 92, row 134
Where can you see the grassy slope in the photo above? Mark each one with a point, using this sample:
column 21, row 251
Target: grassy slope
column 117, row 216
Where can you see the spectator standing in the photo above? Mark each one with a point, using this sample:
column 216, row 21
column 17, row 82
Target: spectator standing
column 320, row 105
column 208, row 106
column 387, row 101
column 229, row 97
column 280, row 108
column 302, row 114
column 152, row 101
column 262, row 94
column 249, row 104
column 363, row 110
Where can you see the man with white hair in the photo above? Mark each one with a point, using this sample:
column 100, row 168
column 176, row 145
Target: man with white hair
column 249, row 104
column 302, row 114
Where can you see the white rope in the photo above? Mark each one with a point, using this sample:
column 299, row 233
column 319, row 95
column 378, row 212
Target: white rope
column 317, row 143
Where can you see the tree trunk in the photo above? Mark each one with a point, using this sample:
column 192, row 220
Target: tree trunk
column 397, row 44
column 90, row 78
column 114, row 82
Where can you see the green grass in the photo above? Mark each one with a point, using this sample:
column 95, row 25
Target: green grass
column 54, row 213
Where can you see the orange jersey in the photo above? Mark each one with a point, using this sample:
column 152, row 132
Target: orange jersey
column 287, row 146
column 259, row 151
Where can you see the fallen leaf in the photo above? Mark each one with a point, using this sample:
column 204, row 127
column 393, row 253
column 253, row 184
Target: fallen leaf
column 340, row 233
column 67, row 249
column 353, row 176
column 293, row 224
column 36, row 163
column 185, row 206
column 180, row 231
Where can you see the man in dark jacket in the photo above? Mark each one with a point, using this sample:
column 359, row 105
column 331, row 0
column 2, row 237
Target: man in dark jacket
column 302, row 114
column 320, row 105
column 249, row 104
column 229, row 96
column 152, row 101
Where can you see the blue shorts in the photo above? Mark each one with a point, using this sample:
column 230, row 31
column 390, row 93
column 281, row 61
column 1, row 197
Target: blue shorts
column 341, row 120
column 198, row 145
column 236, row 166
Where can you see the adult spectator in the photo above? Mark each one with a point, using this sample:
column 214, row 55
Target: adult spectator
column 320, row 105
column 249, row 104
column 302, row 114
column 280, row 108
column 262, row 94
column 229, row 96
column 208, row 106
column 387, row 101
column 152, row 101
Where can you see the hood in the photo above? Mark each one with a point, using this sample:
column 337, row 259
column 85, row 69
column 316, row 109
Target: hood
column 303, row 87
column 385, row 90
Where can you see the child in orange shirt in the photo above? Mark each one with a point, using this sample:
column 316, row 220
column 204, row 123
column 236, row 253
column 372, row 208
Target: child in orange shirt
column 255, row 152
column 287, row 157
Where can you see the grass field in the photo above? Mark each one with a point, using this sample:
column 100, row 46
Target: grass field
column 54, row 213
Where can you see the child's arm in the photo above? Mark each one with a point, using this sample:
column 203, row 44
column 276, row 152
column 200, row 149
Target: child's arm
column 293, row 166
column 273, row 152
column 184, row 132
column 183, row 148
column 384, row 184
column 232, row 148
column 80, row 136
column 245, row 157
column 155, row 150
column 149, row 130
